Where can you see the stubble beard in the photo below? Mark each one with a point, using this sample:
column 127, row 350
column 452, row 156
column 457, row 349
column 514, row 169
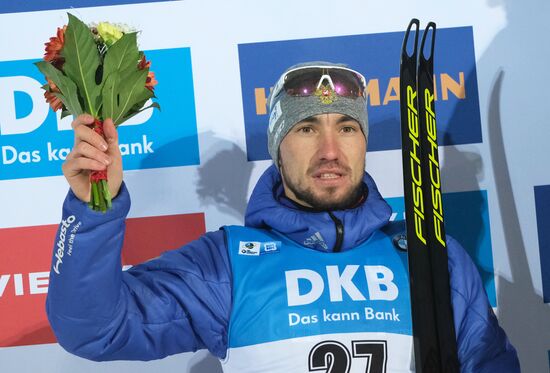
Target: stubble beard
column 325, row 201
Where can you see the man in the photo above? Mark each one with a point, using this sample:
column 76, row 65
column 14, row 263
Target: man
column 312, row 281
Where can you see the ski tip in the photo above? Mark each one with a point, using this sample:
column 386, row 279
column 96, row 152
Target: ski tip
column 429, row 32
column 414, row 21
column 411, row 50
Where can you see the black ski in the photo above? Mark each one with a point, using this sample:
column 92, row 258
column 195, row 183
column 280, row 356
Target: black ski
column 426, row 345
column 433, row 327
column 437, row 246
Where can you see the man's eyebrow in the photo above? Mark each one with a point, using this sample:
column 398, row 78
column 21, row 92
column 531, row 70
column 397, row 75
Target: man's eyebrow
column 315, row 120
column 311, row 119
column 346, row 118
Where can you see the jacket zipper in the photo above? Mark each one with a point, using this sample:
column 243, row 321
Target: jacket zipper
column 339, row 233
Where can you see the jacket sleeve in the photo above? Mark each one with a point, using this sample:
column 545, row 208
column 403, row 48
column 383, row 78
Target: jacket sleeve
column 177, row 302
column 482, row 344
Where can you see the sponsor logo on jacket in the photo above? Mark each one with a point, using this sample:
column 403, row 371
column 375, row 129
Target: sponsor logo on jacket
column 62, row 241
column 255, row 248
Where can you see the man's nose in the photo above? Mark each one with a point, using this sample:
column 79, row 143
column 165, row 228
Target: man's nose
column 328, row 146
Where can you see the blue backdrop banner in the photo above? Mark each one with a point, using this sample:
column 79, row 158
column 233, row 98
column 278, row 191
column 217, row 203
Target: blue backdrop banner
column 542, row 202
column 34, row 5
column 377, row 57
column 33, row 142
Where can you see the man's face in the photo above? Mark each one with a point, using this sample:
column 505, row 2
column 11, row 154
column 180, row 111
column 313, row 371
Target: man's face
column 322, row 162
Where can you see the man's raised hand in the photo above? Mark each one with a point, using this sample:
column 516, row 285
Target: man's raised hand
column 93, row 153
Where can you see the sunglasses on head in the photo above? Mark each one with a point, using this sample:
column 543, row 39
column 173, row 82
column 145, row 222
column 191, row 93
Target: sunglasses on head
column 325, row 82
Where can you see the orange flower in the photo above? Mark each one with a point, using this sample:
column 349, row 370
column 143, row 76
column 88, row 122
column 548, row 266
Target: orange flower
column 151, row 82
column 53, row 100
column 54, row 47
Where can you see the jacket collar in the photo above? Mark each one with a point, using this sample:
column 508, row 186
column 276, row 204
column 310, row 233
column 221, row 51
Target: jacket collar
column 268, row 208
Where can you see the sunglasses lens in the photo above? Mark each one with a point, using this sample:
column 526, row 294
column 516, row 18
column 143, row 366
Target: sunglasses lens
column 304, row 82
column 346, row 83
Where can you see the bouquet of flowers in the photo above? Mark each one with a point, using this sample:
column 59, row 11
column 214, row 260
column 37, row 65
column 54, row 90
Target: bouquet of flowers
column 97, row 69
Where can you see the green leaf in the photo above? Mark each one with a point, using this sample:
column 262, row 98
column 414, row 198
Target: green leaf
column 121, row 55
column 65, row 113
column 122, row 91
column 81, row 62
column 133, row 113
column 69, row 93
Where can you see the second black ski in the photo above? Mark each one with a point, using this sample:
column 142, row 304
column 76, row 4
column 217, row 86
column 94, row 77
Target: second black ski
column 433, row 327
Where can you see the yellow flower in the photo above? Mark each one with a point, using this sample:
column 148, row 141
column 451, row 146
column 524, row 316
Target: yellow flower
column 109, row 33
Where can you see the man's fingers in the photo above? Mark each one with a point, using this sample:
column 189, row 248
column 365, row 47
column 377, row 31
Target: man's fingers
column 84, row 149
column 82, row 119
column 88, row 164
column 86, row 134
column 93, row 152
column 76, row 166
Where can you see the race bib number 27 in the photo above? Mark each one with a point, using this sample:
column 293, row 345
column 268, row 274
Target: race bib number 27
column 334, row 357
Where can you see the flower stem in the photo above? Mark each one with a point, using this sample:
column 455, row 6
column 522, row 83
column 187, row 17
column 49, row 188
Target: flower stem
column 95, row 196
column 102, row 204
column 107, row 193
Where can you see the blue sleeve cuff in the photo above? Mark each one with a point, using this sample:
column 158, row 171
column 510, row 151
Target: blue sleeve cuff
column 120, row 208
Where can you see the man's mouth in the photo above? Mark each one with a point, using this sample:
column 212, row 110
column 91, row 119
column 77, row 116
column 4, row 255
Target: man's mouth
column 329, row 172
column 328, row 175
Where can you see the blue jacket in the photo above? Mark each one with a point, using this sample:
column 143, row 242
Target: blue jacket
column 181, row 301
